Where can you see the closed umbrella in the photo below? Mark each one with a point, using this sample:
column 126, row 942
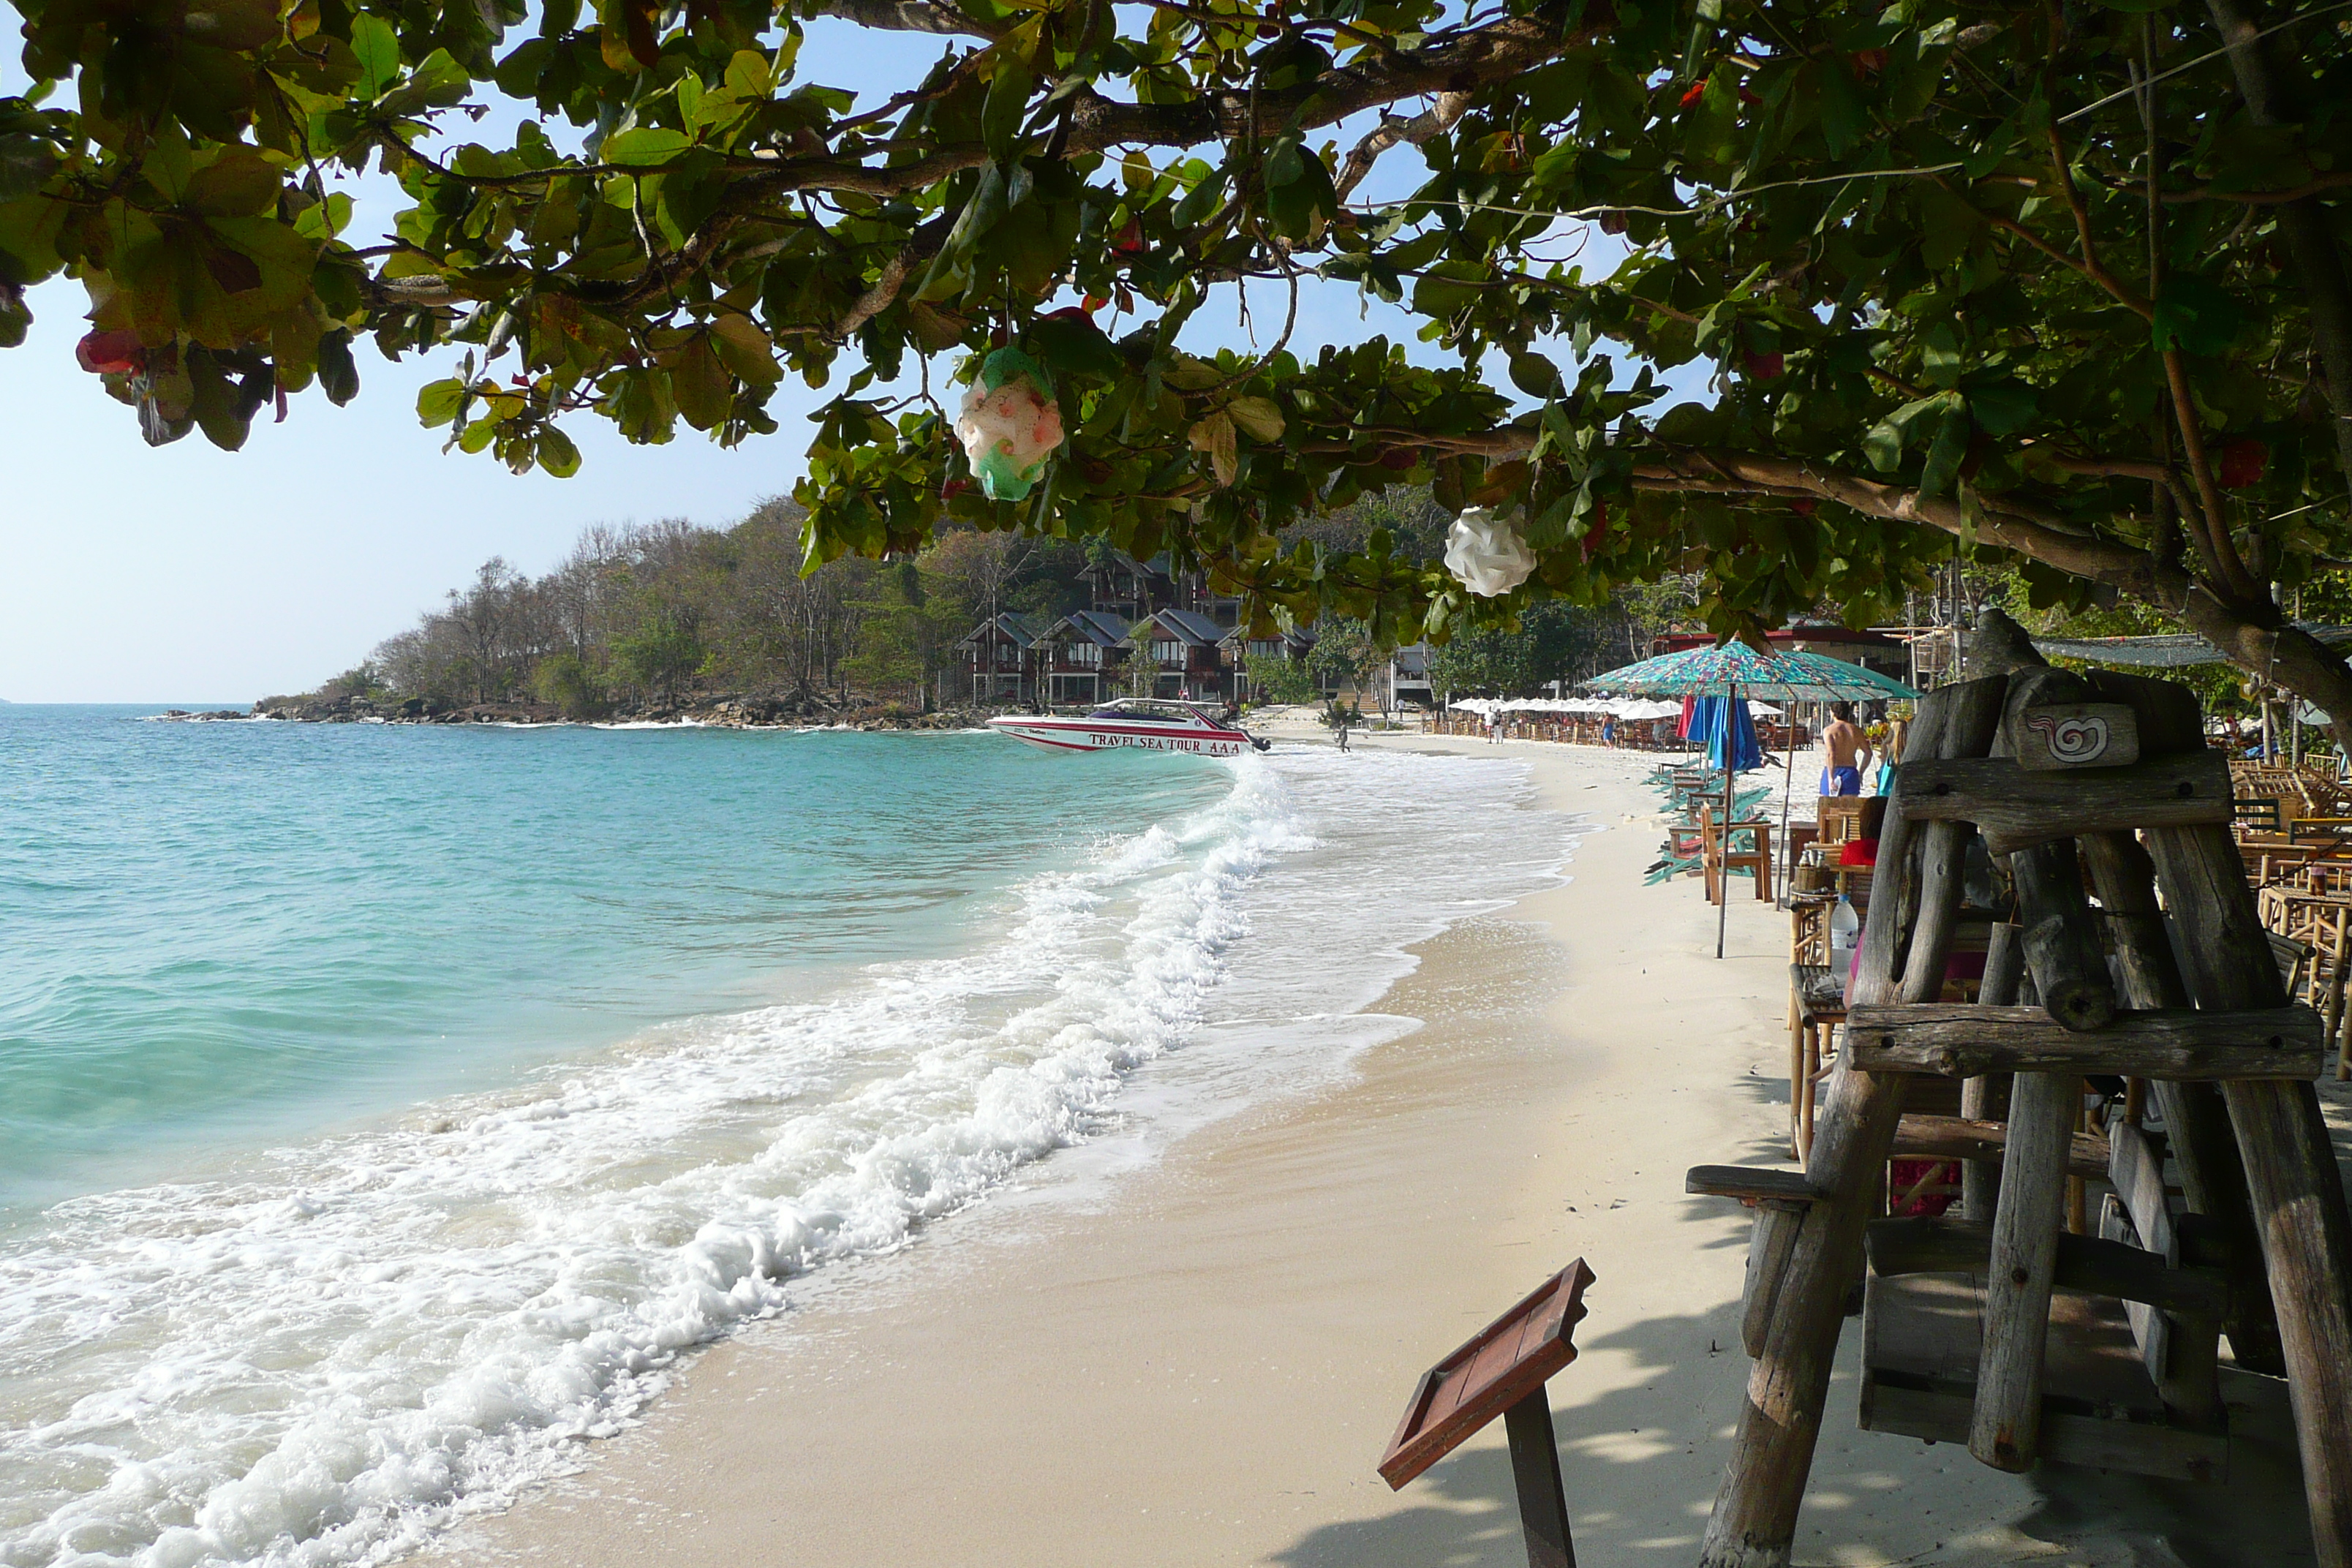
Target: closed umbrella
column 1782, row 676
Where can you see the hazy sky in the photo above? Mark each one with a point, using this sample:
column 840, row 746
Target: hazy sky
column 183, row 573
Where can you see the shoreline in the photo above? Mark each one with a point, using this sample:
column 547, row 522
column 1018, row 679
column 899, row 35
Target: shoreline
column 1201, row 1363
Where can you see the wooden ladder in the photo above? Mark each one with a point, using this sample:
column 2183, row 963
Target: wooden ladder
column 2059, row 772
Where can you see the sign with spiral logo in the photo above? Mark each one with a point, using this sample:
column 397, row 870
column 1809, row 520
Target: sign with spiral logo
column 2077, row 735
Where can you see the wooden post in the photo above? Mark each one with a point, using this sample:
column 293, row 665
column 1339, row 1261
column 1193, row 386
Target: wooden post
column 2004, row 966
column 1535, row 1466
column 2005, row 1429
column 2292, row 1183
column 1755, row 1516
column 2196, row 1121
column 2062, row 948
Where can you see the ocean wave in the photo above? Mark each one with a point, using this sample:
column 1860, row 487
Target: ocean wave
column 327, row 1358
column 321, row 1362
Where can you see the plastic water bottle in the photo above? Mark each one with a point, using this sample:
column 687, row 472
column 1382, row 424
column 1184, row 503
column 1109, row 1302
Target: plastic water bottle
column 1846, row 929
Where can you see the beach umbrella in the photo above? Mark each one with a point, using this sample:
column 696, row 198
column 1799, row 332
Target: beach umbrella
column 1725, row 727
column 1784, row 675
column 1777, row 675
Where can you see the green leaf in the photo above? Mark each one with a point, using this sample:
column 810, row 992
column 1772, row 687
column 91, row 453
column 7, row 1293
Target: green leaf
column 437, row 401
column 1941, row 359
column 699, row 382
column 746, row 350
column 556, row 453
column 643, row 147
column 1065, row 344
column 26, row 163
column 1535, row 376
column 2195, row 316
column 1259, row 418
column 1213, row 436
column 1949, row 448
column 378, row 48
column 2003, row 407
column 1007, row 103
column 1844, row 116
column 239, row 183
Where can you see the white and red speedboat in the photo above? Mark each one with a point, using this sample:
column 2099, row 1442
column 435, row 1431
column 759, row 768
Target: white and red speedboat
column 1142, row 722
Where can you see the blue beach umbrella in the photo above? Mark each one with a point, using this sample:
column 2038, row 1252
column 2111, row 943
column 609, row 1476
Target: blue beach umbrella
column 1723, row 676
column 1731, row 745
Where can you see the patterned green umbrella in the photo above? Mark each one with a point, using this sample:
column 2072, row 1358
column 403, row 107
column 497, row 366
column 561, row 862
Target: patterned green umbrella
column 1736, row 669
column 1778, row 676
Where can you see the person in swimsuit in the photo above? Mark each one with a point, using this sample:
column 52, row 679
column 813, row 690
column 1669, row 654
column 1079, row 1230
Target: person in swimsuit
column 1849, row 751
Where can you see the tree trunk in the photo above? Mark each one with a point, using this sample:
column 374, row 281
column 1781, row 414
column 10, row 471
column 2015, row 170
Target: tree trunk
column 2272, row 92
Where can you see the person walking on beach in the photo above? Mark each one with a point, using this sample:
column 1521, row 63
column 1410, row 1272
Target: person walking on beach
column 1849, row 751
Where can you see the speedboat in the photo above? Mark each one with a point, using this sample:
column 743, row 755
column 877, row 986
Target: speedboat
column 1152, row 725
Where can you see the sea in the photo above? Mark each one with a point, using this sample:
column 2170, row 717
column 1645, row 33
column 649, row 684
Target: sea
column 386, row 1109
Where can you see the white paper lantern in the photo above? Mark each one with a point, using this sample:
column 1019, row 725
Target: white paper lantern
column 1485, row 553
column 1010, row 424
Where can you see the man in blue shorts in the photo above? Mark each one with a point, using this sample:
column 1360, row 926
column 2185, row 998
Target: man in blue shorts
column 1849, row 751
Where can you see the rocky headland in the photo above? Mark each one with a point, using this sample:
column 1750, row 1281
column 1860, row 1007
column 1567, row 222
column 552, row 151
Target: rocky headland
column 798, row 711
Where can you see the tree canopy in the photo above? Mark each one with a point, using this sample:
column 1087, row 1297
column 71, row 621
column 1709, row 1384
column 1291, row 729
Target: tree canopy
column 2061, row 281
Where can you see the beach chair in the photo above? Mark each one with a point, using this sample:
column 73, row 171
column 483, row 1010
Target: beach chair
column 1724, row 852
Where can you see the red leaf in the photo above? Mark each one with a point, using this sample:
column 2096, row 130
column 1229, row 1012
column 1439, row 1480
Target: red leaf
column 2243, row 463
column 111, row 353
column 1128, row 241
column 1869, row 62
column 1697, row 92
column 1398, row 457
column 1804, row 506
column 1767, row 367
column 1612, row 223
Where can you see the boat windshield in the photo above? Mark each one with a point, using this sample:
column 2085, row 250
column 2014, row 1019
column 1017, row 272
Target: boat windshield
column 1155, row 713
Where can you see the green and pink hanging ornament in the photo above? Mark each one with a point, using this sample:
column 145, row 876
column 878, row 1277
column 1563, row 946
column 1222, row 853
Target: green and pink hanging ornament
column 1010, row 424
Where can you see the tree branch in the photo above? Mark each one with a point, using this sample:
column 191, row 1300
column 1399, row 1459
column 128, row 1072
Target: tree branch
column 909, row 17
column 1396, row 131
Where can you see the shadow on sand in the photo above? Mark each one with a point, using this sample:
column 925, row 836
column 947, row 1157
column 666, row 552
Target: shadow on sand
column 1639, row 1491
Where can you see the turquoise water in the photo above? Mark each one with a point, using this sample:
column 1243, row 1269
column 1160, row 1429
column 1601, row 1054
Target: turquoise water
column 219, row 933
column 384, row 1111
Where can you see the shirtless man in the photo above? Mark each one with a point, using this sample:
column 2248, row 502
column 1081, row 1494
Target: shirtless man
column 1849, row 751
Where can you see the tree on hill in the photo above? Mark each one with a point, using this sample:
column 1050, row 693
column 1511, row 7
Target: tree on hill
column 2062, row 282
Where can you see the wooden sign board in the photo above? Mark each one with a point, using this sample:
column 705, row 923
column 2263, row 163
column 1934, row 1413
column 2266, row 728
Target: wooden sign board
column 1505, row 1361
column 2074, row 735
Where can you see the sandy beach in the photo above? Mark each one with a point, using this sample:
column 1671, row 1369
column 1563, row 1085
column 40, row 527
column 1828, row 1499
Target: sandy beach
column 1199, row 1361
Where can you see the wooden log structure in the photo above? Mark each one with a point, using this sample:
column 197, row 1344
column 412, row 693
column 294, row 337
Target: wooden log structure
column 2017, row 809
column 2004, row 972
column 2196, row 1121
column 1755, row 1515
column 2005, row 1427
column 2130, row 1273
column 1918, row 1137
column 2061, row 772
column 1954, row 1040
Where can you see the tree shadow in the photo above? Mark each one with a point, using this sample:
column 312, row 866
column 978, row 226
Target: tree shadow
column 1641, row 1463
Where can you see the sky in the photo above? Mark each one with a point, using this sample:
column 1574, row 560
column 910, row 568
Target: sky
column 187, row 574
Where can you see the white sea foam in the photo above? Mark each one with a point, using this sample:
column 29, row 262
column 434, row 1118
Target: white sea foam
column 324, row 1359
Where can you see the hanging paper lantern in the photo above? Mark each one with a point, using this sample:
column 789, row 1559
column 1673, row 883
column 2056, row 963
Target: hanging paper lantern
column 1487, row 554
column 1010, row 424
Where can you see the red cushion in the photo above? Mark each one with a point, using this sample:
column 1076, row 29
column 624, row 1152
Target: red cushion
column 1858, row 852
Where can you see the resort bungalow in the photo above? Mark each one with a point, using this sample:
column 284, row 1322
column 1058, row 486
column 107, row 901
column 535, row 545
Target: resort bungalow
column 1001, row 655
column 1238, row 647
column 1081, row 656
column 1185, row 650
